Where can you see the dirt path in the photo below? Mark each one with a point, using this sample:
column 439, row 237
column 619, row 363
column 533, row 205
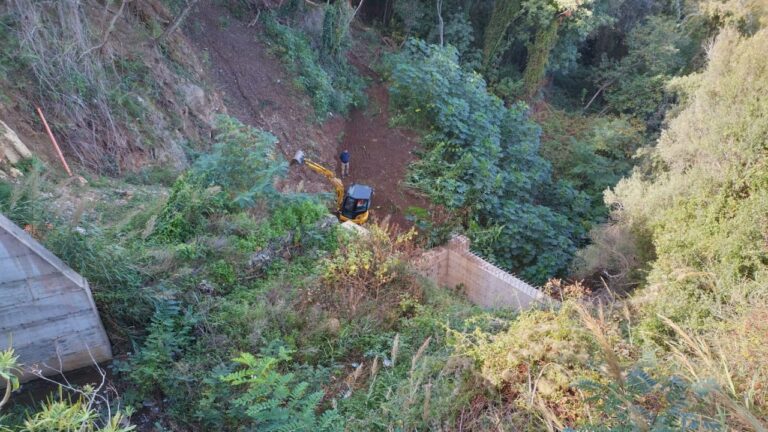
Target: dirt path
column 380, row 154
column 257, row 90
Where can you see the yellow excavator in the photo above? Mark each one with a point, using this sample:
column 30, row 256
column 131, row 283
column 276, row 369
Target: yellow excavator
column 352, row 204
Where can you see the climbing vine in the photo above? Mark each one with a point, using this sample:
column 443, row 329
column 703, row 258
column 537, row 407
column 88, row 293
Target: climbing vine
column 504, row 12
column 336, row 29
column 538, row 58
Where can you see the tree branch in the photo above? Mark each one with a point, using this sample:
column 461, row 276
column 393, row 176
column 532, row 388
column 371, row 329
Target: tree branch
column 441, row 24
column 108, row 31
column 352, row 17
column 597, row 93
column 177, row 21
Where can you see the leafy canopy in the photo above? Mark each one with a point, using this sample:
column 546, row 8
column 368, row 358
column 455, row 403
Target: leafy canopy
column 484, row 157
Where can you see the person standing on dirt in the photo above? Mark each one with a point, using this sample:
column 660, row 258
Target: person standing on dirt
column 344, row 156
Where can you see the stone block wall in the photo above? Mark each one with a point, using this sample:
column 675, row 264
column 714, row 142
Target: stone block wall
column 485, row 284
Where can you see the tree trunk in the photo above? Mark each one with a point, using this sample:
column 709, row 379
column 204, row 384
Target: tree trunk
column 504, row 12
column 177, row 21
column 538, row 58
column 440, row 23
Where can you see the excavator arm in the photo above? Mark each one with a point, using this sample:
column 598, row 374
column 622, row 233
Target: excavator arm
column 338, row 185
column 335, row 181
column 358, row 197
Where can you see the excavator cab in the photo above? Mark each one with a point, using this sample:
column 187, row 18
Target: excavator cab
column 352, row 204
column 356, row 202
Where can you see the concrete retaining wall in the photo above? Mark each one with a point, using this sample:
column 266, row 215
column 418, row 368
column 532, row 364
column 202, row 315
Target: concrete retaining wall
column 484, row 284
column 47, row 312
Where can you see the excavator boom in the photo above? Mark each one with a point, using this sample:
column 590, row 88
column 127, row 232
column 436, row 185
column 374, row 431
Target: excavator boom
column 350, row 206
column 335, row 181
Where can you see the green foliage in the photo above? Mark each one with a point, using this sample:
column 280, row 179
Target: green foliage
column 66, row 415
column 335, row 36
column 504, row 12
column 163, row 366
column 271, row 401
column 244, row 163
column 57, row 414
column 24, row 202
column 657, row 50
column 239, row 173
column 187, row 210
column 547, row 33
column 483, row 156
column 116, row 281
column 643, row 402
column 705, row 202
column 538, row 58
column 9, row 364
column 296, row 215
column 590, row 153
column 335, row 90
column 8, row 55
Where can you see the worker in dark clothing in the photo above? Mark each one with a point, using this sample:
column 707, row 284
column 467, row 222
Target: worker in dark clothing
column 344, row 156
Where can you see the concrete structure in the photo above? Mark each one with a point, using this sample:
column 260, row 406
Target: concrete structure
column 47, row 312
column 484, row 284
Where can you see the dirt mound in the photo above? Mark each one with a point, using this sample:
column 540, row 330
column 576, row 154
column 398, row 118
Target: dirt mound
column 258, row 91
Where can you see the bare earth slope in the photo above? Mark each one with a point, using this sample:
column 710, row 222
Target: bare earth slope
column 380, row 154
column 258, row 91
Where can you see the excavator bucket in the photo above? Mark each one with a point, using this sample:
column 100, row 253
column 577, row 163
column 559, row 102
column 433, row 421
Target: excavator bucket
column 298, row 157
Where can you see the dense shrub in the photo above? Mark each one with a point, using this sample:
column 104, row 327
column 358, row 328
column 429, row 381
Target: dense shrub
column 239, row 173
column 698, row 204
column 658, row 49
column 367, row 277
column 483, row 156
column 705, row 207
column 270, row 401
column 591, row 153
column 111, row 270
column 332, row 84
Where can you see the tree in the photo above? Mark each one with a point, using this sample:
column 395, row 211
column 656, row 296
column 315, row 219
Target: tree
column 538, row 58
column 440, row 23
column 504, row 13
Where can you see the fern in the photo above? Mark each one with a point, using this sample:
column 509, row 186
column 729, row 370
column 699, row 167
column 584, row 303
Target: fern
column 272, row 402
column 646, row 403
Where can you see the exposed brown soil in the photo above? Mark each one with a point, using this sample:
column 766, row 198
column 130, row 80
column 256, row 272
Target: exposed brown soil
column 258, row 91
column 379, row 154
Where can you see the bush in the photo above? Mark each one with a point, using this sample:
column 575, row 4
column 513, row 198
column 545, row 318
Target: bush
column 239, row 173
column 116, row 281
column 23, row 203
column 60, row 413
column 333, row 86
column 244, row 163
column 484, row 157
column 704, row 203
column 367, row 277
column 658, row 49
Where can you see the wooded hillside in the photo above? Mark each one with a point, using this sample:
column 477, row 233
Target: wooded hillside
column 611, row 152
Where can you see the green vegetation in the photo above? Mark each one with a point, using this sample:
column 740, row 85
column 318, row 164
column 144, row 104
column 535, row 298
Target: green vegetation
column 270, row 401
column 61, row 414
column 235, row 306
column 484, row 157
column 332, row 83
